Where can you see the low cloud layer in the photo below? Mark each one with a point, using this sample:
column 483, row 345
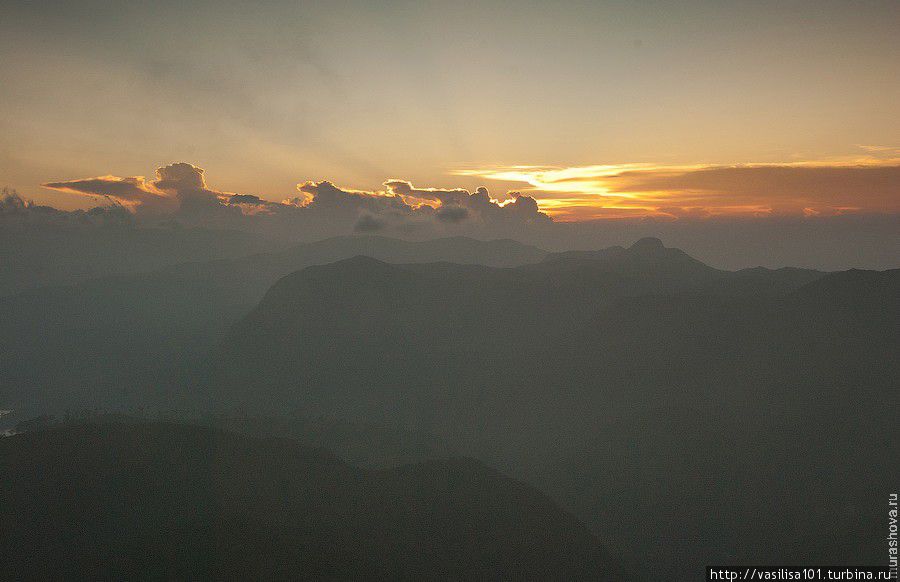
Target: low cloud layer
column 180, row 193
column 15, row 210
column 642, row 190
column 827, row 216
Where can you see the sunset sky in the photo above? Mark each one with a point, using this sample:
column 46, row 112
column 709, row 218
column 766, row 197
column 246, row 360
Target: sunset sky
column 594, row 109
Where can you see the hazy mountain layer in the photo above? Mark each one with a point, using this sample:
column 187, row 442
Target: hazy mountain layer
column 689, row 414
column 40, row 255
column 118, row 340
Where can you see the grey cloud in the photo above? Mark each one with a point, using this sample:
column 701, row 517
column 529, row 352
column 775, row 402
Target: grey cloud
column 327, row 195
column 368, row 223
column 452, row 214
column 405, row 188
column 180, row 177
column 180, row 192
column 123, row 190
column 247, row 199
column 476, row 205
column 15, row 210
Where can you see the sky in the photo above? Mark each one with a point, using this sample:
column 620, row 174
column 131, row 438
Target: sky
column 594, row 110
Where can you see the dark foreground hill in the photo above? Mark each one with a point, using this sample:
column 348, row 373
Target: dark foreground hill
column 165, row 501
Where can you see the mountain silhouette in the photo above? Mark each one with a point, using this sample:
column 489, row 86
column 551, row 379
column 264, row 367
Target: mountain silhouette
column 642, row 388
column 366, row 325
column 127, row 501
column 686, row 414
column 120, row 340
column 41, row 255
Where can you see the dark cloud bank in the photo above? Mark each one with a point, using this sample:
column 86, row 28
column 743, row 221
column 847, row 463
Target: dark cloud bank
column 181, row 196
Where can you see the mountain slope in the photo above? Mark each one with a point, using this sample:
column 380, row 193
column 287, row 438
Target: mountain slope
column 644, row 390
column 121, row 340
column 738, row 407
column 172, row 501
column 362, row 330
column 39, row 255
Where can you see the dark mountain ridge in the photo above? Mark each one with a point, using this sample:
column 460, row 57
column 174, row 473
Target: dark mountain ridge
column 121, row 340
column 418, row 324
column 643, row 389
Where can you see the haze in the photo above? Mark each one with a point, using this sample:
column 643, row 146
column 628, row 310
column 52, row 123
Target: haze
column 596, row 110
column 418, row 291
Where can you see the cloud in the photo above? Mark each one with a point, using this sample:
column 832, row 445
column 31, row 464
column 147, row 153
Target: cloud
column 15, row 210
column 325, row 195
column 368, row 223
column 452, row 214
column 819, row 188
column 782, row 188
column 804, row 209
column 131, row 192
column 247, row 199
column 821, row 215
column 196, row 204
column 418, row 196
column 181, row 177
column 180, row 192
column 178, row 185
column 458, row 205
column 881, row 150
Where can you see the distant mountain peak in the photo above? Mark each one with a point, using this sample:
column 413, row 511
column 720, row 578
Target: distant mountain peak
column 649, row 243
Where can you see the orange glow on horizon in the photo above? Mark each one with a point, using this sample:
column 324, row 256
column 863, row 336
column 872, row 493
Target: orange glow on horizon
column 567, row 194
column 807, row 188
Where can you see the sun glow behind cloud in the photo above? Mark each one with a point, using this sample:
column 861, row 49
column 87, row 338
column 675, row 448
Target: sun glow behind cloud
column 808, row 188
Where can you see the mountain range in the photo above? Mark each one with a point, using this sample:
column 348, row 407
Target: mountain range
column 687, row 415
column 643, row 389
column 120, row 339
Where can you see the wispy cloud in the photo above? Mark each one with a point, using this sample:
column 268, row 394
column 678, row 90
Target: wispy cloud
column 615, row 191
